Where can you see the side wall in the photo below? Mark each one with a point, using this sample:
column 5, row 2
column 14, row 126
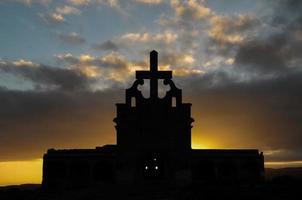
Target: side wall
column 235, row 166
column 61, row 170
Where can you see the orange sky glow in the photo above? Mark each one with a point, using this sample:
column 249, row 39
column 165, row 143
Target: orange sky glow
column 30, row 171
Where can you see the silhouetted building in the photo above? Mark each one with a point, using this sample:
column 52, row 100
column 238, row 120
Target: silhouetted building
column 153, row 145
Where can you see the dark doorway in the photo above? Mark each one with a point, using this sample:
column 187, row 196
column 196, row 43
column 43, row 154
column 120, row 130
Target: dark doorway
column 153, row 167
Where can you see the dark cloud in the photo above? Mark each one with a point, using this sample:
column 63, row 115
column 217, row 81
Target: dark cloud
column 46, row 77
column 106, row 46
column 280, row 50
column 61, row 112
column 289, row 5
column 264, row 55
column 264, row 114
column 31, row 122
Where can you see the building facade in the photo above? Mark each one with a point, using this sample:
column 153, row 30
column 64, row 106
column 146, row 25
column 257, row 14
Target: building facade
column 153, row 145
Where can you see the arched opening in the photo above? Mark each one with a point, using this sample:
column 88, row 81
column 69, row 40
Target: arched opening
column 145, row 88
column 153, row 168
column 162, row 89
column 173, row 101
column 133, row 102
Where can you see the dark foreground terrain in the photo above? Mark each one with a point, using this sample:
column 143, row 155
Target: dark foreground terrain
column 280, row 184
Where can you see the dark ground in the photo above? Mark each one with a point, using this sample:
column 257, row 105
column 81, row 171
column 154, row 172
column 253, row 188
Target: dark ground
column 281, row 184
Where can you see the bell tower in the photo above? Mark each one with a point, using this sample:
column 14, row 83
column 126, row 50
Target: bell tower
column 153, row 134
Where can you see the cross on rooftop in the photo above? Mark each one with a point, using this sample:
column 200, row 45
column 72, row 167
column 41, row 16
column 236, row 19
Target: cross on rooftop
column 153, row 74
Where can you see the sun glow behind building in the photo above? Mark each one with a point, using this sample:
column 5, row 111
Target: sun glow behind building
column 20, row 172
column 27, row 172
column 30, row 171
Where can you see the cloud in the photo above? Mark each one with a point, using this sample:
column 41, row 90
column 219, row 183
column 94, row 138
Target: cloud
column 52, row 18
column 114, row 4
column 189, row 21
column 68, row 10
column 230, row 29
column 72, row 38
column 133, row 41
column 262, row 56
column 166, row 37
column 32, row 121
column 176, row 59
column 110, row 61
column 46, row 77
column 187, row 17
column 149, row 2
column 112, row 67
column 263, row 114
column 107, row 46
column 278, row 52
column 23, row 63
column 190, row 10
column 58, row 16
column 289, row 5
column 79, row 2
column 241, row 72
column 201, row 30
column 29, row 2
column 110, row 3
column 253, row 94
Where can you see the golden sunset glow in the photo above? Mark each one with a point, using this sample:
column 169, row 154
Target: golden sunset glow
column 20, row 172
column 199, row 142
column 278, row 164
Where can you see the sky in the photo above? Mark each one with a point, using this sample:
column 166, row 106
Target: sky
column 64, row 64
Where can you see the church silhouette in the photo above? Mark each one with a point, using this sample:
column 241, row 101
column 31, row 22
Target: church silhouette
column 153, row 146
